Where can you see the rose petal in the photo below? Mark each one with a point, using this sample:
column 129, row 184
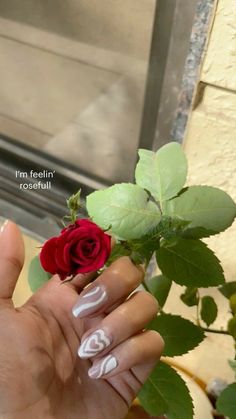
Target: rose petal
column 47, row 256
column 61, row 254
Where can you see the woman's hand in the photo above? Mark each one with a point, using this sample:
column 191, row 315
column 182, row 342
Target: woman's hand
column 71, row 352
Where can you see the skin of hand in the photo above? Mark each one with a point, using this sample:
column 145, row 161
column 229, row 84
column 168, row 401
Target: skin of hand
column 41, row 373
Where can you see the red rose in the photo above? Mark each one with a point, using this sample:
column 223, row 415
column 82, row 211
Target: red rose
column 80, row 248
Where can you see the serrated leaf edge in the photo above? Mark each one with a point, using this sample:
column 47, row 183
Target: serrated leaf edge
column 183, row 318
column 165, row 380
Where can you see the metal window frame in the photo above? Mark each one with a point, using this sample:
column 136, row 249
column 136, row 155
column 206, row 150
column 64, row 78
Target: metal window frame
column 161, row 36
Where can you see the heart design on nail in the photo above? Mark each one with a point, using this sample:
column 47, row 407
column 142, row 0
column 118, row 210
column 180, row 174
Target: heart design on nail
column 94, row 344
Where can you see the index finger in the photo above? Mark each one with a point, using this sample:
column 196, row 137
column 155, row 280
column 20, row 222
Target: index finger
column 114, row 285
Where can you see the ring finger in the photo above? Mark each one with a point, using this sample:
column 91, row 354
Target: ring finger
column 140, row 352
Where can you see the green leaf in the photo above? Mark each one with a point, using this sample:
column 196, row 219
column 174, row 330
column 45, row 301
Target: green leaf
column 231, row 327
column 209, row 310
column 159, row 286
column 190, row 263
column 180, row 335
column 232, row 303
column 118, row 251
column 126, row 208
column 165, row 392
column 228, row 289
column 163, row 173
column 232, row 364
column 190, row 296
column 169, row 228
column 36, row 275
column 197, row 233
column 145, row 246
column 209, row 209
column 226, row 403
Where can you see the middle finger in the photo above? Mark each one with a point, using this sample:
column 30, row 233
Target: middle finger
column 122, row 323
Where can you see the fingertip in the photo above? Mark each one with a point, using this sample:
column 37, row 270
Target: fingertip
column 11, row 240
column 158, row 343
column 12, row 257
column 19, row 242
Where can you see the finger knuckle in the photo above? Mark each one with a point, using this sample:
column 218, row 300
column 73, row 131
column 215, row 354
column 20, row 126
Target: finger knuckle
column 14, row 263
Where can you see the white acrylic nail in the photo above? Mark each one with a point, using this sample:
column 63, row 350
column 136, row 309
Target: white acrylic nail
column 90, row 302
column 108, row 364
column 94, row 344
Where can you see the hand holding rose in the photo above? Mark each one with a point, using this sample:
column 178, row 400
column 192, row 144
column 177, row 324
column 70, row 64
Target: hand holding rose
column 41, row 374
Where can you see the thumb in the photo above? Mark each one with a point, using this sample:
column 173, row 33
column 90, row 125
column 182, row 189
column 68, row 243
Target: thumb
column 11, row 258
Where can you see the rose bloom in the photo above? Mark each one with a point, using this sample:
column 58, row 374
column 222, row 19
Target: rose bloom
column 80, row 248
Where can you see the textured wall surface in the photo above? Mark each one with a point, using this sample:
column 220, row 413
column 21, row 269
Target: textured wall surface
column 210, row 141
column 211, row 149
column 220, row 63
column 210, row 144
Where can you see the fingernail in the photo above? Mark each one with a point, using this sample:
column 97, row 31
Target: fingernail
column 4, row 226
column 90, row 302
column 103, row 367
column 94, row 344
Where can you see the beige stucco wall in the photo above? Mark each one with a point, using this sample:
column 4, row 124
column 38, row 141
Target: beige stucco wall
column 210, row 140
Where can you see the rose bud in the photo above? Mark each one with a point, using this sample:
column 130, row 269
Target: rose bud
column 81, row 247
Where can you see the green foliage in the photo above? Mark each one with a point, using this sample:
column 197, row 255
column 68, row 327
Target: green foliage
column 190, row 263
column 226, row 403
column 163, row 173
column 157, row 216
column 36, row 275
column 165, row 392
column 232, row 303
column 159, row 286
column 170, row 228
column 209, row 209
column 232, row 327
column 228, row 289
column 190, row 296
column 232, row 364
column 73, row 204
column 209, row 310
column 197, row 233
column 124, row 207
column 143, row 248
column 118, row 251
column 180, row 335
